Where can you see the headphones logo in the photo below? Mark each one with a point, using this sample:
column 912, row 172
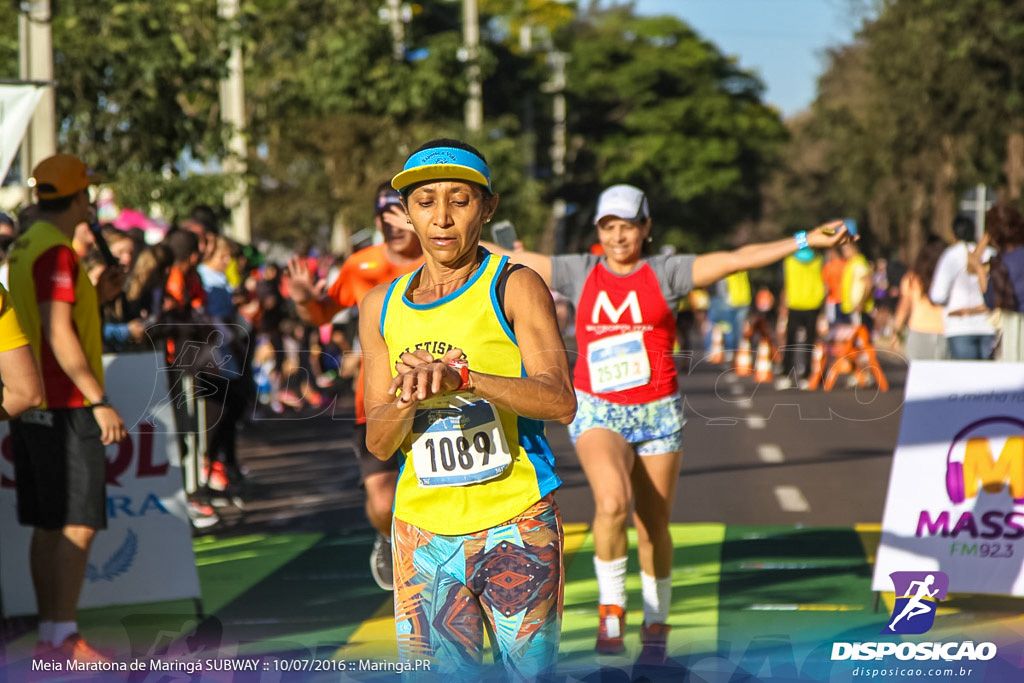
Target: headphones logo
column 917, row 598
column 989, row 452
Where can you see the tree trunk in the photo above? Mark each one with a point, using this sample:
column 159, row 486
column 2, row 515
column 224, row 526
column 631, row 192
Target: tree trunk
column 341, row 235
column 1014, row 168
column 878, row 215
column 915, row 221
column 943, row 199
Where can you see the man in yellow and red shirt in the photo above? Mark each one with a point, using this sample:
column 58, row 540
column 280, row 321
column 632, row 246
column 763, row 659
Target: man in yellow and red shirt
column 400, row 253
column 59, row 448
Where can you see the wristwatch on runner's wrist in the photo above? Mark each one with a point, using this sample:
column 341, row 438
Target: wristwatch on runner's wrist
column 461, row 365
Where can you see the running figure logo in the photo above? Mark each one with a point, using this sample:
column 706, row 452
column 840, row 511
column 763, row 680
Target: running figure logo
column 917, row 598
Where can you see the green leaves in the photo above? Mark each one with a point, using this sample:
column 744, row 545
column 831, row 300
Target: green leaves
column 331, row 113
column 656, row 105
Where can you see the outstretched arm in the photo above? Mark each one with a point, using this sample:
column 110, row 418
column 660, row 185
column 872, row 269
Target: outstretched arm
column 539, row 263
column 710, row 268
column 311, row 303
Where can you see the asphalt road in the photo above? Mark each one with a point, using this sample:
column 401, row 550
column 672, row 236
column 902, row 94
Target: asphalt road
column 752, row 455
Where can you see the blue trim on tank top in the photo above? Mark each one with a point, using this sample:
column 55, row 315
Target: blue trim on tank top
column 447, row 297
column 387, row 300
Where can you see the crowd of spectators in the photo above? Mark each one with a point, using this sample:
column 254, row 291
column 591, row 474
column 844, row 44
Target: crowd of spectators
column 266, row 359
column 196, row 282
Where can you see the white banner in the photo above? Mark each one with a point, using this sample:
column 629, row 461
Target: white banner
column 145, row 554
column 17, row 104
column 956, row 491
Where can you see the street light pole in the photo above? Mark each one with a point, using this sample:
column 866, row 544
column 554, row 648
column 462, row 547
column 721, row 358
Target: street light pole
column 36, row 65
column 232, row 105
column 556, row 86
column 397, row 30
column 471, row 37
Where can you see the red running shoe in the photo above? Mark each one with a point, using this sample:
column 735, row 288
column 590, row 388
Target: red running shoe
column 218, row 477
column 610, row 629
column 654, row 638
column 75, row 647
column 289, row 398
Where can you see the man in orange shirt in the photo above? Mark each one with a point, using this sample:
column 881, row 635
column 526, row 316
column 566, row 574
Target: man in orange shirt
column 399, row 254
column 832, row 275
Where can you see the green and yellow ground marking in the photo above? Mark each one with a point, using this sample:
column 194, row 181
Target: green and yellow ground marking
column 776, row 592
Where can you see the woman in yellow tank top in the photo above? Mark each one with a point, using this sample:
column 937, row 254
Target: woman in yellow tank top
column 463, row 363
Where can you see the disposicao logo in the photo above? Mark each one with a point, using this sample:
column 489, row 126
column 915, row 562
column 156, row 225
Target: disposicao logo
column 917, row 597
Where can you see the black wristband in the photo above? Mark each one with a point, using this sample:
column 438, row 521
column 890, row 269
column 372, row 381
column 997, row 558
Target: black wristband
column 104, row 402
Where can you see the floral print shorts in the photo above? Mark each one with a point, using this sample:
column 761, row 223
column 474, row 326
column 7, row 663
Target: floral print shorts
column 651, row 428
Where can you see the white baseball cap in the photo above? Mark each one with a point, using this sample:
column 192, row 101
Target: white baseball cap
column 622, row 201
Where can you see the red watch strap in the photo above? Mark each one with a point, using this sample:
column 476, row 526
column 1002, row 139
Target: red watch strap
column 462, row 365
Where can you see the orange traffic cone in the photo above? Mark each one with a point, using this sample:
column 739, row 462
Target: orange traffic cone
column 763, row 364
column 868, row 362
column 717, row 354
column 817, row 366
column 743, row 367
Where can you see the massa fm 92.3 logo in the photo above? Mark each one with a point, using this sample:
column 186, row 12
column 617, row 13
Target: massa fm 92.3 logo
column 989, row 452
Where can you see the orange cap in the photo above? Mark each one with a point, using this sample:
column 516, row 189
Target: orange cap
column 61, row 175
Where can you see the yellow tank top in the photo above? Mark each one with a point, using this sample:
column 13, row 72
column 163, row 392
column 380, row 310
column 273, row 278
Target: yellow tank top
column 805, row 290
column 468, row 465
column 853, row 284
column 738, row 287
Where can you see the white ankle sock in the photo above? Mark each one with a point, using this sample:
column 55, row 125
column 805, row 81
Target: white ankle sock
column 63, row 629
column 46, row 632
column 657, row 598
column 611, row 581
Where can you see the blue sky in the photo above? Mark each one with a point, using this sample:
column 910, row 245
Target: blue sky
column 782, row 40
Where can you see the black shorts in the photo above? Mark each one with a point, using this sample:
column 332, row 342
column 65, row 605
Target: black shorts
column 368, row 462
column 60, row 469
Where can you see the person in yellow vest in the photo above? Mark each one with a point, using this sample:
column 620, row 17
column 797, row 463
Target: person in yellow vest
column 803, row 294
column 59, row 448
column 858, row 297
column 729, row 308
column 463, row 363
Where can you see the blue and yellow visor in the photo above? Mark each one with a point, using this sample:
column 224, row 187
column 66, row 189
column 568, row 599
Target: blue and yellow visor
column 442, row 163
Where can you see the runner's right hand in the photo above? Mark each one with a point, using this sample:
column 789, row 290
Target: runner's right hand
column 111, row 425
column 421, row 376
column 301, row 285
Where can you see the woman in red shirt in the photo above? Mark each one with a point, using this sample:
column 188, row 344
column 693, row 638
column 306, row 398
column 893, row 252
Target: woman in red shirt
column 628, row 427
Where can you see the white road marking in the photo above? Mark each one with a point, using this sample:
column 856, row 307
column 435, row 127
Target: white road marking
column 791, row 499
column 770, row 452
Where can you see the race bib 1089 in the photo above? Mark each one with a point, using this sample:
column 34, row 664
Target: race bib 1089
column 458, row 442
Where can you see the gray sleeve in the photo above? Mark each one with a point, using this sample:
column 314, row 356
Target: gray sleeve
column 675, row 276
column 569, row 272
